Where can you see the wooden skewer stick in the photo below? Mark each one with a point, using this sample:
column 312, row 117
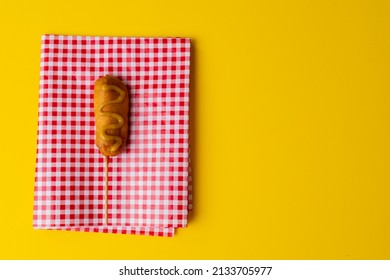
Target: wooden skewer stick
column 106, row 190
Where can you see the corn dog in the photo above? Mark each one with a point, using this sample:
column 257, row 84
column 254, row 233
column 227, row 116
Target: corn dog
column 111, row 106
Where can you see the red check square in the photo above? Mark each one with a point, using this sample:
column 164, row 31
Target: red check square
column 149, row 182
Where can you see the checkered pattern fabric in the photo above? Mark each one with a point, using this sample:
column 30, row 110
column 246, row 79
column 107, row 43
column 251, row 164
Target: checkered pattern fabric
column 148, row 182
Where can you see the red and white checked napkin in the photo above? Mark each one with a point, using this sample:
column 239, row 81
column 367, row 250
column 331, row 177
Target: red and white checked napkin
column 148, row 182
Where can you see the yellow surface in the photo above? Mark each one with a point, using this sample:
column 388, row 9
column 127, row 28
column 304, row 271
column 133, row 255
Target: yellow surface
column 290, row 127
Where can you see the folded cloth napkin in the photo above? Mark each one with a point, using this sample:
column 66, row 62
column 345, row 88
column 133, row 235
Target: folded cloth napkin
column 148, row 182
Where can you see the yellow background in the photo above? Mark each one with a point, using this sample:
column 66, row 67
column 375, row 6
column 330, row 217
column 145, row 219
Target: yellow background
column 290, row 127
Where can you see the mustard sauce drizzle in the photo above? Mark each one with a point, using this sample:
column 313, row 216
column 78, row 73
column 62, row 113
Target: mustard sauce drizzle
column 103, row 130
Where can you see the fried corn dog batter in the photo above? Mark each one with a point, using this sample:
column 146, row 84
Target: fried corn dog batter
column 111, row 105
